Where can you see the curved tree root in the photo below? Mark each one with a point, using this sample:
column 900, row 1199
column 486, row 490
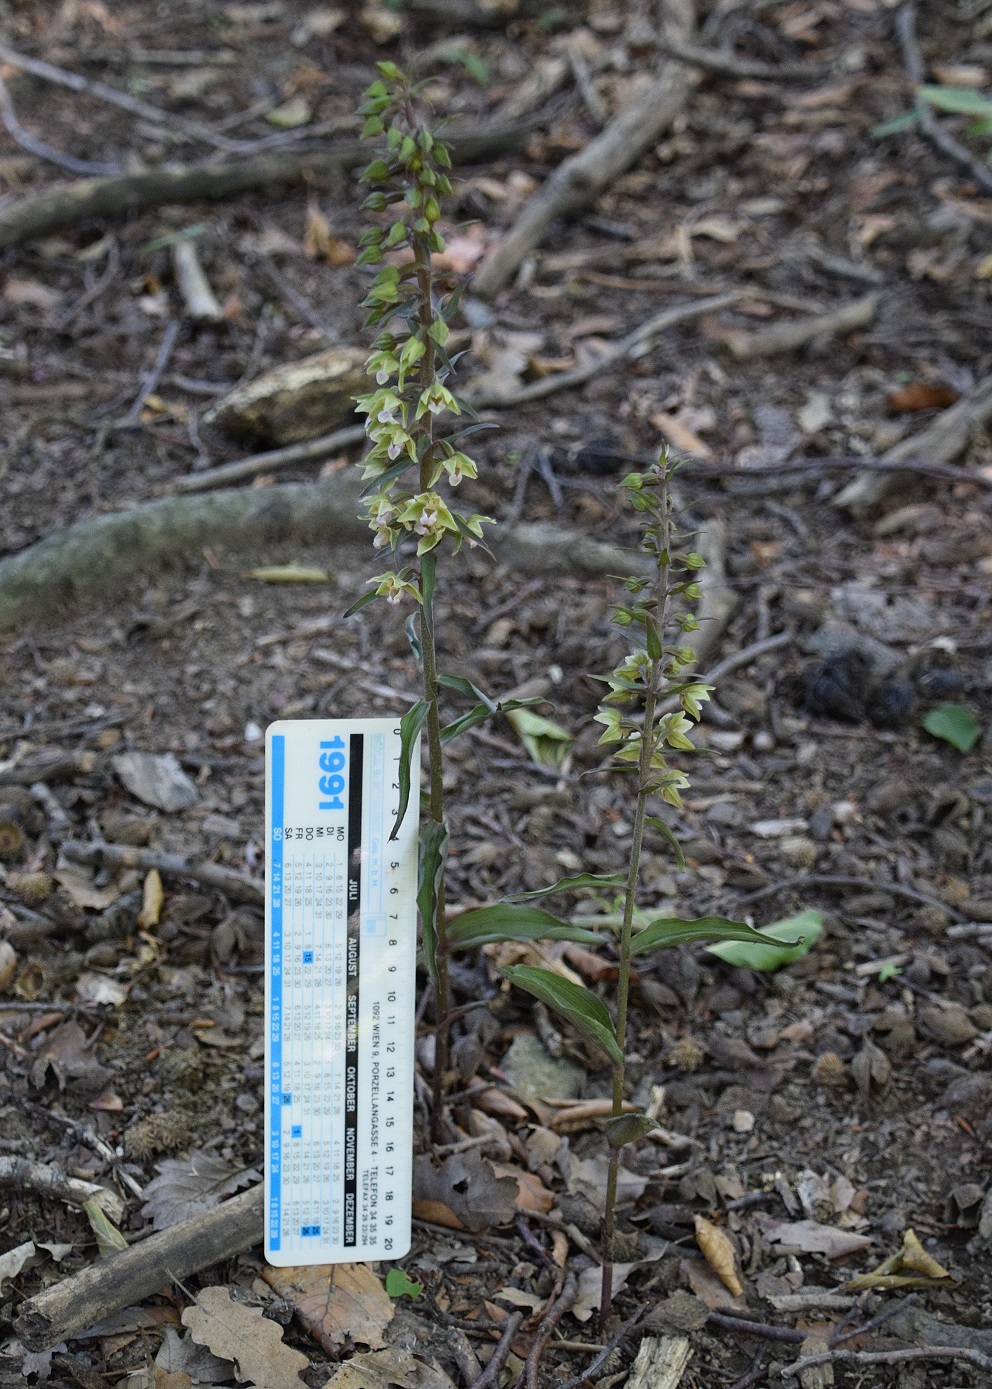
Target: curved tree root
column 80, row 563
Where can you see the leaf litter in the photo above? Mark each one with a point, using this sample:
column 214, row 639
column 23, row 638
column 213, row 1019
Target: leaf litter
column 241, row 1334
column 186, row 1187
column 336, row 1303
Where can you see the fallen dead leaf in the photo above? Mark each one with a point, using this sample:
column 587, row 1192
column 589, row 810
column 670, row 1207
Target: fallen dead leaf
column 809, row 1237
column 152, row 897
column 709, row 1288
column 587, row 1177
column 463, row 1193
column 320, row 243
column 384, row 1369
column 718, row 1250
column 910, row 1267
column 532, row 1194
column 235, row 1332
column 678, row 435
column 32, row 293
column 336, row 1302
column 584, row 1113
column 920, row 395
column 590, row 965
column 185, row 1188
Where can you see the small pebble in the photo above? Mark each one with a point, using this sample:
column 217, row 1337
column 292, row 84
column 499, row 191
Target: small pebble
column 743, row 1121
column 763, row 741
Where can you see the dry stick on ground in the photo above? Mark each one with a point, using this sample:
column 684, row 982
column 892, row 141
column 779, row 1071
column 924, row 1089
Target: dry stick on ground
column 70, row 204
column 490, row 1375
column 148, row 386
column 146, row 1268
column 927, row 122
column 192, row 283
column 21, row 1175
column 577, row 181
column 546, row 1330
column 232, row 884
column 943, row 439
column 911, row 894
column 786, row 337
column 887, row 1357
column 716, row 60
column 634, row 344
column 67, row 162
column 313, row 451
column 132, row 104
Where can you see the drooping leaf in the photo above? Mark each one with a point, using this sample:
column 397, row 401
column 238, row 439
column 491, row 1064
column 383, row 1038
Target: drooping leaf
column 955, row 725
column 414, row 639
column 957, row 100
column 547, row 743
column 666, row 833
column 433, row 847
column 361, row 603
column 671, row 930
column 428, row 578
column 754, row 954
column 602, row 880
column 503, row 921
column 479, row 713
column 578, row 1004
column 465, row 687
column 410, row 725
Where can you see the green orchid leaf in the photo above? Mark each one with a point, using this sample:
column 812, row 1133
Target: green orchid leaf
column 784, row 950
column 665, row 831
column 957, row 100
column 547, row 743
column 361, row 603
column 433, row 849
column 597, row 880
column 672, row 930
column 502, row 921
column 479, row 714
column 955, row 725
column 904, row 122
column 410, row 725
column 465, row 687
column 577, row 1004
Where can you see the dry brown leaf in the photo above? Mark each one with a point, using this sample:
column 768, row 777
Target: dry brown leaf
column 320, row 243
column 719, row 1252
column 910, row 1267
column 152, row 897
column 679, row 436
column 583, row 1114
column 336, row 1302
column 462, row 252
column 235, row 1332
column 532, row 1194
column 499, row 1103
column 385, row 1369
column 708, row 1287
column 921, row 395
column 559, row 1247
column 592, row 966
column 809, row 1237
column 463, row 1192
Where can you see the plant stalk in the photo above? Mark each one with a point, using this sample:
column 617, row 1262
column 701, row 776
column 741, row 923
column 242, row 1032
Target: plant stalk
column 442, row 999
column 660, row 620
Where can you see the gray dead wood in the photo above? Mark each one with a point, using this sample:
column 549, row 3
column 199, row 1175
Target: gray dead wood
column 786, row 337
column 943, row 440
column 718, row 60
column 232, row 884
column 660, row 1363
column 581, row 178
column 144, row 1269
column 18, row 1174
column 103, row 554
column 72, row 203
column 92, row 558
column 312, row 451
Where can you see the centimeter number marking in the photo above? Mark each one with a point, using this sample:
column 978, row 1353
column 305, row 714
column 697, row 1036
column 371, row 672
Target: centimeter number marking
column 340, row 986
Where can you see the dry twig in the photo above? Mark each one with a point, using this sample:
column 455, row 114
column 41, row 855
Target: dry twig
column 580, row 179
column 68, row 162
column 234, row 885
column 888, row 1357
column 718, row 60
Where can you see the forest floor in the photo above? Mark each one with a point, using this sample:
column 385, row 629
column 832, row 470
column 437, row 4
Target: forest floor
column 815, row 1114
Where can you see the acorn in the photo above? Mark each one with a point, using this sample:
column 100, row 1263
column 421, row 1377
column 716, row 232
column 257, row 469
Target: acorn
column 32, row 887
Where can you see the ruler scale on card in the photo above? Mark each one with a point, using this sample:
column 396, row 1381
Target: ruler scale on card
column 339, row 992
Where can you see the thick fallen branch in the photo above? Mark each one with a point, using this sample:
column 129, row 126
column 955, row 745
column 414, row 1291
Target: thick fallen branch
column 943, row 439
column 136, row 1273
column 72, row 203
column 786, row 337
column 226, row 880
column 18, row 1174
column 580, row 179
column 98, row 556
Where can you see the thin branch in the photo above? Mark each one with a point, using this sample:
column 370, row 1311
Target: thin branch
column 718, row 60
column 33, row 145
column 546, row 1330
column 133, row 417
column 928, row 123
column 888, row 1357
column 911, row 894
column 313, row 450
column 490, row 1375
